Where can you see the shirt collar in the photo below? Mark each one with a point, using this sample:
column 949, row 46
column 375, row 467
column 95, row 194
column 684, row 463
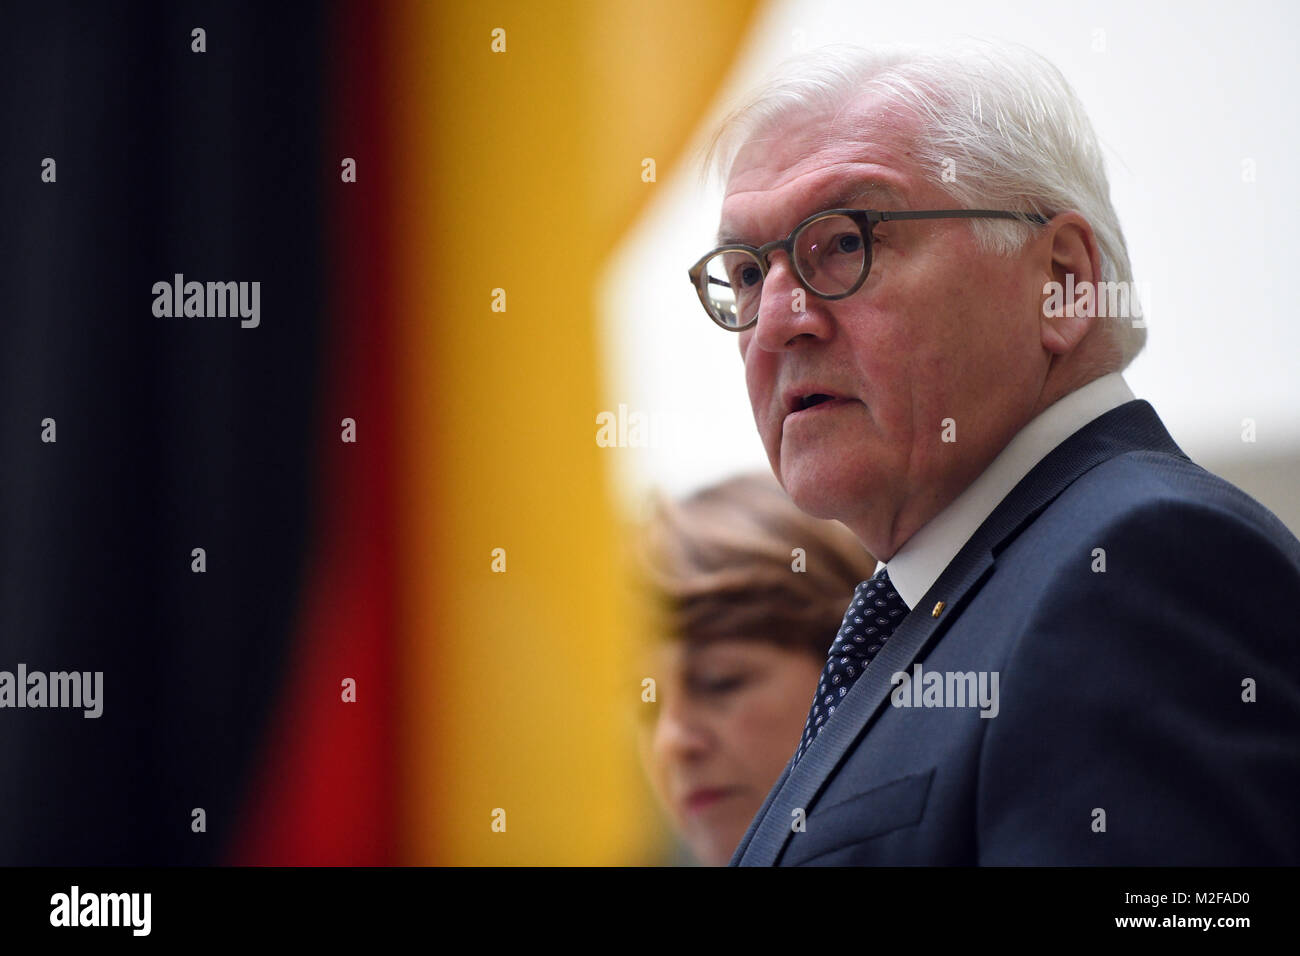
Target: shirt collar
column 922, row 558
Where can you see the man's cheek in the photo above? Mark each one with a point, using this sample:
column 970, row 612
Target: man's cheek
column 756, row 392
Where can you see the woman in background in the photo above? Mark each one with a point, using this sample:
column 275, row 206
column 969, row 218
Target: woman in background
column 749, row 593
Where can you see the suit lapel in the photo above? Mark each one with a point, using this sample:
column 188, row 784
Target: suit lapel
column 762, row 811
column 1132, row 426
column 861, row 705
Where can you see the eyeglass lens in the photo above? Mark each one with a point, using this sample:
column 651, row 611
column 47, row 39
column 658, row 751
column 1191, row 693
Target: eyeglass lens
column 830, row 256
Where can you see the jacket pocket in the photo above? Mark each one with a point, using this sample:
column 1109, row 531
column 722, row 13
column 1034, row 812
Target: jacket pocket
column 865, row 816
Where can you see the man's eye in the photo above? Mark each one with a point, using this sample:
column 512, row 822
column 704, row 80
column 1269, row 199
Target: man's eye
column 848, row 242
column 746, row 277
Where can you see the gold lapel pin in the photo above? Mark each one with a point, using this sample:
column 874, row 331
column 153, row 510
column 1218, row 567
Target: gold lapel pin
column 938, row 609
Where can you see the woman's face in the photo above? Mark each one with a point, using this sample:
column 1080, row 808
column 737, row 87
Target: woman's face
column 728, row 717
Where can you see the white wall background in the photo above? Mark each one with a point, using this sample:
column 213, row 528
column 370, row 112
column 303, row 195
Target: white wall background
column 1181, row 94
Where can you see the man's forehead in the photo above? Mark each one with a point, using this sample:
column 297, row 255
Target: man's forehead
column 845, row 190
column 858, row 152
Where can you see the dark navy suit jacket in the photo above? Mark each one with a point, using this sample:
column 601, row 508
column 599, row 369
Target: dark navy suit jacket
column 1122, row 736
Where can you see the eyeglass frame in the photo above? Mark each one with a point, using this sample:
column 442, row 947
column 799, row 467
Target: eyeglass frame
column 865, row 220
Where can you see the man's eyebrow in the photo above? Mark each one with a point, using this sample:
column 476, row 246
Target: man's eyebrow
column 844, row 198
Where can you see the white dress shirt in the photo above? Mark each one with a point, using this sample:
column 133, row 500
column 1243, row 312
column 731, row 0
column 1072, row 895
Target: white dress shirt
column 922, row 558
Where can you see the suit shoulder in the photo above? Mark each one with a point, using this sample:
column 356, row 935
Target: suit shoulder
column 1146, row 533
column 1144, row 608
column 1151, row 494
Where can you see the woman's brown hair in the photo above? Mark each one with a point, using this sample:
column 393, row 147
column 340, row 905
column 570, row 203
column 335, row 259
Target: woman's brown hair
column 722, row 563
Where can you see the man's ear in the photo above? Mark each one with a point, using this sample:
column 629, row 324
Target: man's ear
column 1072, row 262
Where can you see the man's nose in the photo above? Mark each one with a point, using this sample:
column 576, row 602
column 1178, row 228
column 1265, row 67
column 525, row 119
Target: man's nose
column 786, row 309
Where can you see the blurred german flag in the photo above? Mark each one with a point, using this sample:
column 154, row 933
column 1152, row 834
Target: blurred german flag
column 498, row 146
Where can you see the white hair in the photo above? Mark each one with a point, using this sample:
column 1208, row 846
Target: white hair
column 999, row 118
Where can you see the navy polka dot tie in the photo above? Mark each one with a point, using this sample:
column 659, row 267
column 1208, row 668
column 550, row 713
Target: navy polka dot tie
column 874, row 612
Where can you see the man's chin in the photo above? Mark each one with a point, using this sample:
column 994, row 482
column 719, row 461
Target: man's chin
column 811, row 494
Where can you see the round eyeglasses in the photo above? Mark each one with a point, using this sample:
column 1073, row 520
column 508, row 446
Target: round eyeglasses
column 830, row 252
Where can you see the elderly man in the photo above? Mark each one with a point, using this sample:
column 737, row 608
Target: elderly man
column 1079, row 647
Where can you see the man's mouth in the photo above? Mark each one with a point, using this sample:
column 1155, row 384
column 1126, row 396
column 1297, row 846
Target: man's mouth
column 809, row 396
column 817, row 404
